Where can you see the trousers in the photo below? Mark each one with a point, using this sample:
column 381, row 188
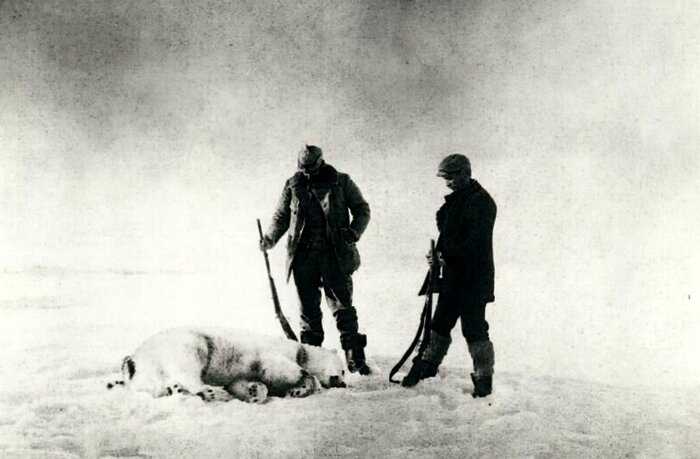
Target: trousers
column 317, row 269
column 457, row 302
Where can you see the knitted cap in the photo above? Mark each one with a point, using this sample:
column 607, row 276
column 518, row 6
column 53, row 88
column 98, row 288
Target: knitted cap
column 453, row 165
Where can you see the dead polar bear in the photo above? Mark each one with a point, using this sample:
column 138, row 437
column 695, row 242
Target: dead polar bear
column 221, row 364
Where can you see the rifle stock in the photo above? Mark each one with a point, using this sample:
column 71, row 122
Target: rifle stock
column 434, row 275
column 427, row 289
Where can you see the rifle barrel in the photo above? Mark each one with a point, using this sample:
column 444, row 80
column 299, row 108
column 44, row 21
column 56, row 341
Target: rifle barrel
column 275, row 298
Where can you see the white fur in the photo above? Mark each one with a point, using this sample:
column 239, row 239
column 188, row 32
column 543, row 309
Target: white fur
column 220, row 364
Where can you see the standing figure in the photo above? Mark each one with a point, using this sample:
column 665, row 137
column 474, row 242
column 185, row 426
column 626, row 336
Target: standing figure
column 465, row 252
column 315, row 206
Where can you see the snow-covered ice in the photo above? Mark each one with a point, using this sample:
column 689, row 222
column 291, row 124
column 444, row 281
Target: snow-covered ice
column 63, row 335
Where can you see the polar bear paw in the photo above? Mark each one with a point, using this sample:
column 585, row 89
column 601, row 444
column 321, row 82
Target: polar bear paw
column 248, row 391
column 176, row 389
column 214, row 394
column 257, row 392
column 306, row 387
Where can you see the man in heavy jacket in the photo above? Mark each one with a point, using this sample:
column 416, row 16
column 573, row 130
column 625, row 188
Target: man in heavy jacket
column 315, row 206
column 465, row 251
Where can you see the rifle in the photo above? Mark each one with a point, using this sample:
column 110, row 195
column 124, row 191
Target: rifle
column 275, row 299
column 430, row 286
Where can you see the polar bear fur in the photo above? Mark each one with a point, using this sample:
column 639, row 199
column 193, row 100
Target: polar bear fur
column 221, row 364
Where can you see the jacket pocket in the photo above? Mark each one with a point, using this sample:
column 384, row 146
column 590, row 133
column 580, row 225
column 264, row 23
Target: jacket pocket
column 348, row 258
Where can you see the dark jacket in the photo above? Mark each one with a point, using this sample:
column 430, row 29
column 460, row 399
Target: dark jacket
column 465, row 222
column 339, row 197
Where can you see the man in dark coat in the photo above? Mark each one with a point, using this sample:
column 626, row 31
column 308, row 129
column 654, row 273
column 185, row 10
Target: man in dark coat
column 315, row 206
column 465, row 251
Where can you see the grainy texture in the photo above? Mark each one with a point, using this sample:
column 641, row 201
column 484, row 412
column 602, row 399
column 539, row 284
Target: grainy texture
column 146, row 136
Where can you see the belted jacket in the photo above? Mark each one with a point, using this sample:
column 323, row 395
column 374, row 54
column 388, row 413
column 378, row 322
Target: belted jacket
column 465, row 222
column 340, row 198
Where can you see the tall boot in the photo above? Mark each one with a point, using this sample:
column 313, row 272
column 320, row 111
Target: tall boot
column 354, row 346
column 483, row 360
column 426, row 365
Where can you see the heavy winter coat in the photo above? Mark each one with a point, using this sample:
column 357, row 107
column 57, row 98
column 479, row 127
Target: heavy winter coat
column 465, row 222
column 339, row 197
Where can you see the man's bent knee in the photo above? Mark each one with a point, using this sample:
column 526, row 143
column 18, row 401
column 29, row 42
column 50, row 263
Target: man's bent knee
column 475, row 332
column 313, row 338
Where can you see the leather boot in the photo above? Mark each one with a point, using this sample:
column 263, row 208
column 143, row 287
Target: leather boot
column 426, row 366
column 420, row 369
column 354, row 347
column 482, row 385
column 483, row 360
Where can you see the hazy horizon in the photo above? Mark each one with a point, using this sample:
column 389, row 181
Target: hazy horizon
column 150, row 135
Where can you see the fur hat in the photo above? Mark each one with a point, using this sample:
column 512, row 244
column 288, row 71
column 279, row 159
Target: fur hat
column 310, row 157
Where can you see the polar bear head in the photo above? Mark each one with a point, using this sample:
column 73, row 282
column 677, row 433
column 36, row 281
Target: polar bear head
column 324, row 364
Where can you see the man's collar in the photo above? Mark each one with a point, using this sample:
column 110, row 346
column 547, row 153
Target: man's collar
column 326, row 176
column 470, row 188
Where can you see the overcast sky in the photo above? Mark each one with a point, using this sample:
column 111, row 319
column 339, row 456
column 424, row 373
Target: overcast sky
column 150, row 135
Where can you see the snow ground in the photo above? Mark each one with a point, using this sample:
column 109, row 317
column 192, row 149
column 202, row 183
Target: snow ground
column 58, row 349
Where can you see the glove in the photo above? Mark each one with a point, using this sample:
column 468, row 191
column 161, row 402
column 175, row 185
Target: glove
column 266, row 243
column 348, row 235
